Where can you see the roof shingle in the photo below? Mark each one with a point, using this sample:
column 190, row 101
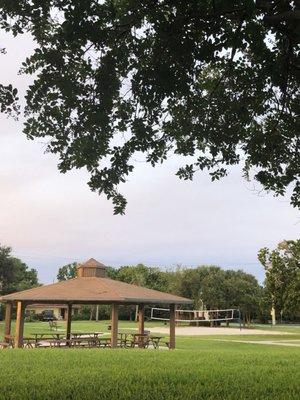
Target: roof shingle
column 94, row 290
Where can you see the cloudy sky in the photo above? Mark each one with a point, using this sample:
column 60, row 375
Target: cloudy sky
column 51, row 219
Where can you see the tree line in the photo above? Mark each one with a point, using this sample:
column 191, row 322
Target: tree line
column 15, row 275
column 212, row 287
column 209, row 286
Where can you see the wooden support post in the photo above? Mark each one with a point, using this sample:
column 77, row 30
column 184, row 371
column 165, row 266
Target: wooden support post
column 114, row 325
column 7, row 328
column 172, row 326
column 141, row 316
column 19, row 331
column 69, row 321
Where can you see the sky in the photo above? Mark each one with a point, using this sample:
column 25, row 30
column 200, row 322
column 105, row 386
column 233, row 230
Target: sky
column 50, row 219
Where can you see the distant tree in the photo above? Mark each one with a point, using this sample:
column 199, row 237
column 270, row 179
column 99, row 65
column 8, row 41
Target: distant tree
column 15, row 275
column 141, row 275
column 111, row 272
column 216, row 82
column 136, row 275
column 282, row 282
column 187, row 282
column 67, row 272
column 243, row 292
column 215, row 288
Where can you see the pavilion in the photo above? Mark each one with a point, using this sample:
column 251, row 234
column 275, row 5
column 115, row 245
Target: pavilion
column 91, row 286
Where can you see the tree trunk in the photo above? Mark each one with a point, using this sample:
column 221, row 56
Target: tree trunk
column 273, row 315
column 91, row 313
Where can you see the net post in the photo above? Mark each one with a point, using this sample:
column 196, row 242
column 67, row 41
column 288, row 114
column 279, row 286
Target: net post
column 240, row 321
column 172, row 326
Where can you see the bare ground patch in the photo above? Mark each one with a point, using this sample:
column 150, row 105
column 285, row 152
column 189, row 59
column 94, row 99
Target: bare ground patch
column 206, row 331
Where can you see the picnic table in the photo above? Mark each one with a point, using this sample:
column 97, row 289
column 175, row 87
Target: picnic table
column 86, row 339
column 127, row 339
column 58, row 339
column 86, row 334
column 155, row 340
column 10, row 340
column 123, row 338
column 51, row 335
column 141, row 340
column 37, row 337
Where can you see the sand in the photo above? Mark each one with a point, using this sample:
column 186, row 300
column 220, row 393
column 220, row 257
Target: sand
column 207, row 331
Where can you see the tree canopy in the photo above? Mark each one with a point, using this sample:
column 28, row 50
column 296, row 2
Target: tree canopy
column 14, row 274
column 211, row 287
column 282, row 267
column 214, row 81
column 214, row 288
column 141, row 275
column 66, row 272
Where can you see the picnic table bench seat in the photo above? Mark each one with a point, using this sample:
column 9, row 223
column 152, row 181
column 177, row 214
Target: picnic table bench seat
column 10, row 340
column 4, row 345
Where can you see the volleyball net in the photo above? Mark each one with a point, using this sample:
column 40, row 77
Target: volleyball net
column 229, row 314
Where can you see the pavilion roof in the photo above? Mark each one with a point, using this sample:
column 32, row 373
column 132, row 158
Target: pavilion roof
column 92, row 290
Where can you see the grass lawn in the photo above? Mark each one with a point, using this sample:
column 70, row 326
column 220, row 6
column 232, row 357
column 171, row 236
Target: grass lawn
column 200, row 368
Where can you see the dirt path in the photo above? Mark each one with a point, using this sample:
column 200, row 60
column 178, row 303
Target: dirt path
column 206, row 331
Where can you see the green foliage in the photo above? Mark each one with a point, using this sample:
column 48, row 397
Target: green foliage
column 282, row 267
column 141, row 275
column 67, row 272
column 14, row 274
column 208, row 286
column 8, row 100
column 8, row 97
column 217, row 81
column 216, row 288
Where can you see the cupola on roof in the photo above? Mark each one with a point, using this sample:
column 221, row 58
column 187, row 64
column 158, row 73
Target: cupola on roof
column 91, row 268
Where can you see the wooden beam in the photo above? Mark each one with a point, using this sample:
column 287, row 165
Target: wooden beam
column 172, row 326
column 141, row 316
column 69, row 321
column 7, row 327
column 19, row 331
column 114, row 325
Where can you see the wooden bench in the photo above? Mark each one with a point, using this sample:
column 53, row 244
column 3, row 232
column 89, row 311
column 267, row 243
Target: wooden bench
column 29, row 342
column 104, row 342
column 4, row 345
column 10, row 340
column 59, row 343
column 140, row 340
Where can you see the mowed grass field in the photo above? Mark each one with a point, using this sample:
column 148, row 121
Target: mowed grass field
column 202, row 367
